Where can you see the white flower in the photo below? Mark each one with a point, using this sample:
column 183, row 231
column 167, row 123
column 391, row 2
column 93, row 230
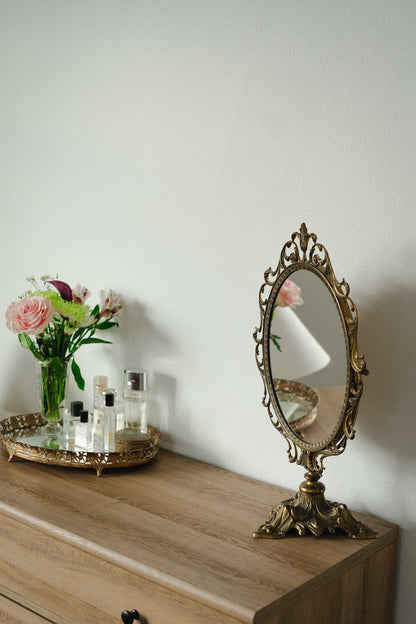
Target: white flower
column 80, row 293
column 110, row 304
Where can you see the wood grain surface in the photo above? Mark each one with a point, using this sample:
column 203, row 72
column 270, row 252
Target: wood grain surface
column 173, row 539
column 13, row 613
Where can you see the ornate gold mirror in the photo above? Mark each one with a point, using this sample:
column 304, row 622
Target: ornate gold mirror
column 307, row 354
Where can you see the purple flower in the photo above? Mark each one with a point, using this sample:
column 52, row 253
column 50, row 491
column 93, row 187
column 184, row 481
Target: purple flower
column 63, row 288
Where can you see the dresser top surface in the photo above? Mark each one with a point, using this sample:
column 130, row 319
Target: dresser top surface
column 183, row 524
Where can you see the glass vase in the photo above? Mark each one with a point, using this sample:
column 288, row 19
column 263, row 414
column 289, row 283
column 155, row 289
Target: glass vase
column 52, row 383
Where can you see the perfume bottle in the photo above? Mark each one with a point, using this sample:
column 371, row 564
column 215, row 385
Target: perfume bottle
column 109, row 420
column 71, row 417
column 76, row 409
column 83, row 432
column 100, row 383
column 134, row 400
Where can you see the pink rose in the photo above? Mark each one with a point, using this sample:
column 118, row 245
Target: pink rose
column 29, row 315
column 289, row 295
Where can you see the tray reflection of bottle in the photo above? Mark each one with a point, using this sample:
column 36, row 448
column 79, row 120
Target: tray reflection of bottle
column 100, row 384
column 135, row 400
column 109, row 420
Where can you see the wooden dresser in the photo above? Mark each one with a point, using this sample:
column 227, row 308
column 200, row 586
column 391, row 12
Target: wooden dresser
column 173, row 539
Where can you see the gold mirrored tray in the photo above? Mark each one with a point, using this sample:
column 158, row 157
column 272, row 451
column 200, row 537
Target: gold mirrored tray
column 23, row 436
column 298, row 402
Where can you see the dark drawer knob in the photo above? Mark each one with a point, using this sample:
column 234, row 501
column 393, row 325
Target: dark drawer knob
column 127, row 617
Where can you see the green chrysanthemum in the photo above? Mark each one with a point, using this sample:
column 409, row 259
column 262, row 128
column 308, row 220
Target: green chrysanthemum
column 77, row 314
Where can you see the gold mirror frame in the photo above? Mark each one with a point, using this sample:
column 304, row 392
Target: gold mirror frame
column 309, row 510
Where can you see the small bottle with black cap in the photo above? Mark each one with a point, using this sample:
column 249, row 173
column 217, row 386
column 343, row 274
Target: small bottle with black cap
column 83, row 432
column 109, row 418
column 72, row 417
column 76, row 409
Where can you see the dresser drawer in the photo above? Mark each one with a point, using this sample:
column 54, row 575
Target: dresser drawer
column 73, row 585
column 13, row 613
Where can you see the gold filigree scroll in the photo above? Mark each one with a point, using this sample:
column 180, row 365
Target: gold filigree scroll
column 10, row 436
column 304, row 251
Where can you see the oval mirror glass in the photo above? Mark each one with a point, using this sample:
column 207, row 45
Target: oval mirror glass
column 308, row 356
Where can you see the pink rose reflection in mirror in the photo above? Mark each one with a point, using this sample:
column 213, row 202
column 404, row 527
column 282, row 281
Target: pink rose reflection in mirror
column 288, row 295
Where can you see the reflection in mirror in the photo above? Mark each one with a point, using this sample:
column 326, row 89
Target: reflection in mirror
column 308, row 356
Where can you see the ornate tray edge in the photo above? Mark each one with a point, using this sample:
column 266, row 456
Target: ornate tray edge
column 68, row 458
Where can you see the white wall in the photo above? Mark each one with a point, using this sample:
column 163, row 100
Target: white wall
column 168, row 149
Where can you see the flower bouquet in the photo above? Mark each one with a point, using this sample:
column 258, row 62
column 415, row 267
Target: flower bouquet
column 60, row 322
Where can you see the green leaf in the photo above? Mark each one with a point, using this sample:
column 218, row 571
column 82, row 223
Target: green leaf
column 93, row 341
column 27, row 343
column 106, row 325
column 76, row 371
column 275, row 340
column 78, row 333
column 95, row 310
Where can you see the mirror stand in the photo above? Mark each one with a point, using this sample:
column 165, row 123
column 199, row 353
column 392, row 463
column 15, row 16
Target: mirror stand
column 312, row 377
column 309, row 510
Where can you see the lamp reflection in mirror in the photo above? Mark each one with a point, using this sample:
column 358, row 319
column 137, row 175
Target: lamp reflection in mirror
column 301, row 353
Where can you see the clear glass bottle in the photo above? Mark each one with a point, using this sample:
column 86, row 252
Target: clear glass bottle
column 109, row 418
column 134, row 400
column 100, row 384
column 71, row 417
column 83, row 432
column 76, row 409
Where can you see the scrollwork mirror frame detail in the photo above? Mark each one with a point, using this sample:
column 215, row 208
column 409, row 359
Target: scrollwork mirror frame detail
column 304, row 252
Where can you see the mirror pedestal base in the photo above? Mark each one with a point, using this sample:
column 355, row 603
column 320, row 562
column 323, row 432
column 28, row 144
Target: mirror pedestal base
column 309, row 510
